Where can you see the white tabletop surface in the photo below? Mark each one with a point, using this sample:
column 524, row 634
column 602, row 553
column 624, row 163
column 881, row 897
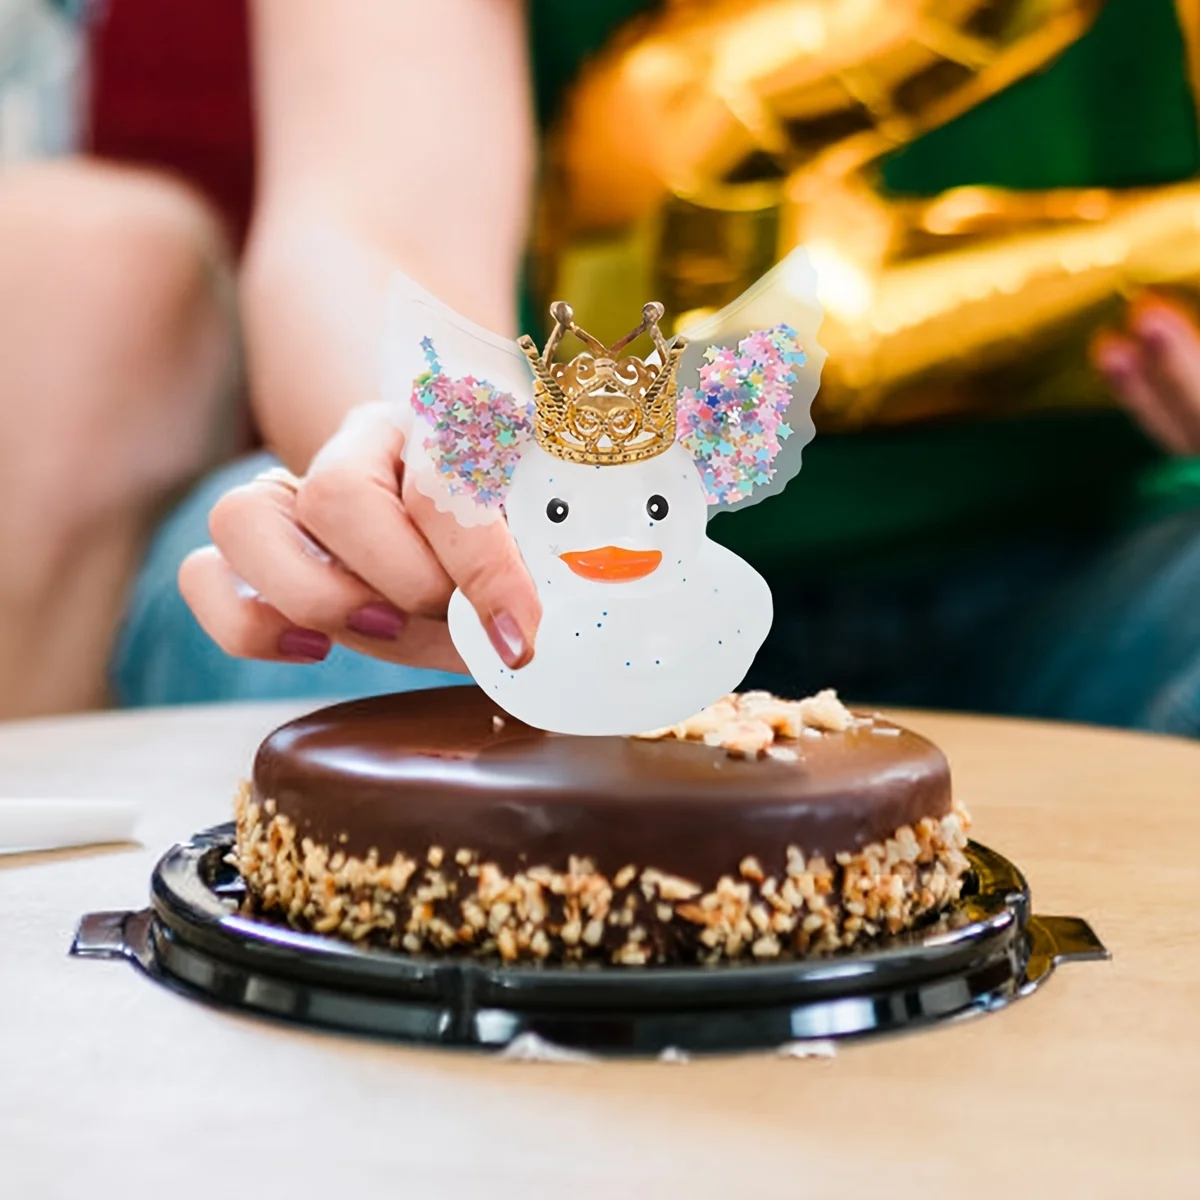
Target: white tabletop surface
column 110, row 1085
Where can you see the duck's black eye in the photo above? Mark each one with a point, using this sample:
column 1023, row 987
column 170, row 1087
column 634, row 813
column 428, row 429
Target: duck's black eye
column 557, row 510
column 657, row 507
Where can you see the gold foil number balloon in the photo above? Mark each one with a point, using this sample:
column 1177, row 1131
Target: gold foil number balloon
column 714, row 137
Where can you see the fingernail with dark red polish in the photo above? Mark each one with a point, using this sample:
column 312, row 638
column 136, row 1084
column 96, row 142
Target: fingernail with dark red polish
column 307, row 644
column 507, row 638
column 378, row 620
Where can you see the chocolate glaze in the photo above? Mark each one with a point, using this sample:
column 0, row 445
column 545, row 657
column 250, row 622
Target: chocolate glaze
column 402, row 773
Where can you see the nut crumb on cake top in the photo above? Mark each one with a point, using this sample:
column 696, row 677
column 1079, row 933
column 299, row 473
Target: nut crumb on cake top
column 749, row 724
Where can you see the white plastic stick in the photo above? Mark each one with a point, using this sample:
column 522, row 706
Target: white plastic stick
column 32, row 825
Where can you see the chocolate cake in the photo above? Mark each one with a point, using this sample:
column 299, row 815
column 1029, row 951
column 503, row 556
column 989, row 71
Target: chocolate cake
column 431, row 822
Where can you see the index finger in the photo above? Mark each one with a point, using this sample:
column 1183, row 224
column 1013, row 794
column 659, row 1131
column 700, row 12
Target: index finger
column 484, row 562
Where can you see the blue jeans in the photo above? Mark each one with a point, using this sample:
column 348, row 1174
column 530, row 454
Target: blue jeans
column 1102, row 630
column 164, row 657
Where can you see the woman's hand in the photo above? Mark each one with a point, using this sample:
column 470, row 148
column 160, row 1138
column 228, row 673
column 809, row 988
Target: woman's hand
column 353, row 554
column 1153, row 366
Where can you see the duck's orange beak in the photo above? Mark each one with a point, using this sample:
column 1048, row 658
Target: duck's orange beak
column 611, row 564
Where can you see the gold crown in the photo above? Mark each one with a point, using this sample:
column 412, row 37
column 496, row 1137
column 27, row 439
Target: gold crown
column 598, row 408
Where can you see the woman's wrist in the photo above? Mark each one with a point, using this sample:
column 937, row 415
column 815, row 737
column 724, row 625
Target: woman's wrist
column 313, row 294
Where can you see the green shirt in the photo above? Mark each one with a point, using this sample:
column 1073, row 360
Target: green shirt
column 1114, row 110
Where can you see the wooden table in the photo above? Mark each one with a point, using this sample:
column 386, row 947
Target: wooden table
column 1091, row 1087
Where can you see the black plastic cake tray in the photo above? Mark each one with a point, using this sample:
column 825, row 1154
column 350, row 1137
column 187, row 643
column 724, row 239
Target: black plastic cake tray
column 988, row 950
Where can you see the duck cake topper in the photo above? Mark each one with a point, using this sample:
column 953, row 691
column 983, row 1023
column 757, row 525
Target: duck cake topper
column 607, row 468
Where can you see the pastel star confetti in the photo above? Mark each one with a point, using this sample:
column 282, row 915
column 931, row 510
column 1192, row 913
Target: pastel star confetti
column 474, row 433
column 733, row 423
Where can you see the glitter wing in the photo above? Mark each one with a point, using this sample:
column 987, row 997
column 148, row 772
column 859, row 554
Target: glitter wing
column 463, row 397
column 757, row 365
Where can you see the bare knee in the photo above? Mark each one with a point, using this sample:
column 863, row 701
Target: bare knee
column 116, row 343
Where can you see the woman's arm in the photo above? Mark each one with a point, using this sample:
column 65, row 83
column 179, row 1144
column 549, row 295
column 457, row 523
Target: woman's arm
column 395, row 133
column 392, row 133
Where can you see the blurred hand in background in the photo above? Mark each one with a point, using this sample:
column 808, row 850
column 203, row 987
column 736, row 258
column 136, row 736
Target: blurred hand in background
column 1153, row 367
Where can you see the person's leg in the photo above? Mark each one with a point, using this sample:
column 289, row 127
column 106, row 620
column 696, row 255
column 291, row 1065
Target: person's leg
column 920, row 633
column 1096, row 629
column 1117, row 643
column 117, row 358
column 164, row 657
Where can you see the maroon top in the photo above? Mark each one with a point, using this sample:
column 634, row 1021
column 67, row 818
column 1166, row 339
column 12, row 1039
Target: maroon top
column 170, row 88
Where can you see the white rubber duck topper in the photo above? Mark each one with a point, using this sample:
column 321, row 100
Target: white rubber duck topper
column 607, row 470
